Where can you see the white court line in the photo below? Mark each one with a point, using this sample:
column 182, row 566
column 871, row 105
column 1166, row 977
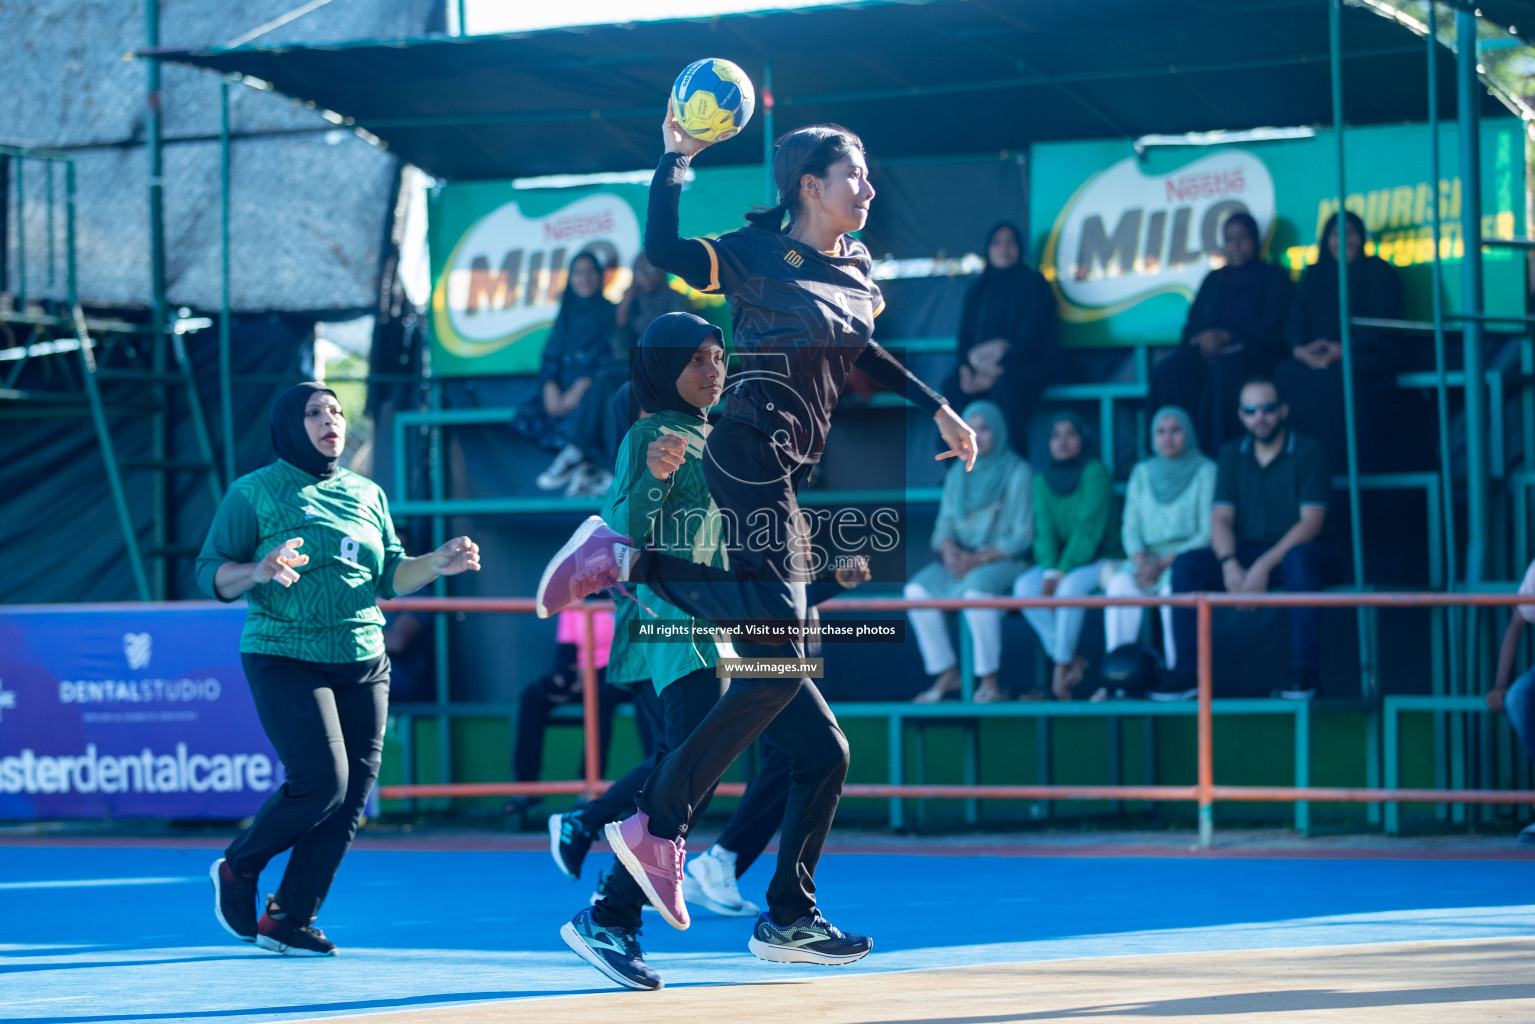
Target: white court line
column 91, row 883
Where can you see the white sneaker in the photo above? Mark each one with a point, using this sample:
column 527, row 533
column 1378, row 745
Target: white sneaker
column 711, row 883
column 561, row 469
column 588, row 481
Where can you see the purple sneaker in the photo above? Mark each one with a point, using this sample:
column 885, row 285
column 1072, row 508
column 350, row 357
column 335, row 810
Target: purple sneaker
column 656, row 864
column 585, row 565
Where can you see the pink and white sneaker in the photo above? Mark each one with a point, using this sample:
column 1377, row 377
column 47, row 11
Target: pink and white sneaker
column 588, row 563
column 656, row 864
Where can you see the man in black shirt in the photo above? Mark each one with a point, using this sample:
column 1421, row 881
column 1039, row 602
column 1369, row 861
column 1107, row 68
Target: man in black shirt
column 1271, row 493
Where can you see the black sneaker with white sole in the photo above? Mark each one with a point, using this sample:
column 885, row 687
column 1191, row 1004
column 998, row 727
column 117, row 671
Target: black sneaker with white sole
column 234, row 900
column 281, row 934
column 810, row 940
column 1299, row 684
column 603, row 891
column 569, row 842
column 613, row 951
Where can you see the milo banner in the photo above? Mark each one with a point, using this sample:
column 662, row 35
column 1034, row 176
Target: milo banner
column 129, row 711
column 499, row 257
column 1125, row 240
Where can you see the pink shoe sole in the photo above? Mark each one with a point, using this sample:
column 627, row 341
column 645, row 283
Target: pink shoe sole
column 554, row 586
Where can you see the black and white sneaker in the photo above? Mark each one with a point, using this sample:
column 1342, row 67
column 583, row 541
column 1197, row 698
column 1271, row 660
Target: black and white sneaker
column 234, row 900
column 605, row 879
column 1299, row 684
column 282, row 935
column 564, row 466
column 810, row 940
column 613, row 951
column 569, row 841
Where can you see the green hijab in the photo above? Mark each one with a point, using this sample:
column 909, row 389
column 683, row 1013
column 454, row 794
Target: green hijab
column 1063, row 475
column 1171, row 477
column 973, row 495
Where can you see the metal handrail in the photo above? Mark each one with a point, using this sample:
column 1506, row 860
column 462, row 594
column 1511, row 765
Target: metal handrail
column 1204, row 792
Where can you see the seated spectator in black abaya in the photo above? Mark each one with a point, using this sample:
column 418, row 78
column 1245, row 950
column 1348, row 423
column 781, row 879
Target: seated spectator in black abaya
column 584, row 467
column 579, row 346
column 1008, row 335
column 1234, row 331
column 1312, row 378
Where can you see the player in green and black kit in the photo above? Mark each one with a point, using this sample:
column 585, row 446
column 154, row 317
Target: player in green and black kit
column 658, row 492
column 313, row 652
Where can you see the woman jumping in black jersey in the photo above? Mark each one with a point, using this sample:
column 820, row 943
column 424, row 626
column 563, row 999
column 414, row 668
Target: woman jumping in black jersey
column 802, row 309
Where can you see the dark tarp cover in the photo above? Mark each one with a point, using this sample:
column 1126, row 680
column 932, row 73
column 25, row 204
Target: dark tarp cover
column 914, row 79
column 61, row 540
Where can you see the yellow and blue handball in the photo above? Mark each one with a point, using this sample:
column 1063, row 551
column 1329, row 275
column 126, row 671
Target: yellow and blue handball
column 713, row 99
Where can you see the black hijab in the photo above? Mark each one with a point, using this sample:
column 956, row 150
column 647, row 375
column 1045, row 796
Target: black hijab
column 998, row 304
column 581, row 339
column 289, row 438
column 1374, row 287
column 664, row 351
column 1242, row 292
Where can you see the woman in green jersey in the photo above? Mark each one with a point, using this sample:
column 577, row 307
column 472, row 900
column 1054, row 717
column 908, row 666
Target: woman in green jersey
column 658, row 493
column 311, row 547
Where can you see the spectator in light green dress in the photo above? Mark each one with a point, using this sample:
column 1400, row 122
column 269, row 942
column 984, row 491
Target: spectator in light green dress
column 1167, row 512
column 982, row 537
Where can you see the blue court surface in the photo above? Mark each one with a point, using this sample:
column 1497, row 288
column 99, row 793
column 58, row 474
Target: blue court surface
column 127, row 934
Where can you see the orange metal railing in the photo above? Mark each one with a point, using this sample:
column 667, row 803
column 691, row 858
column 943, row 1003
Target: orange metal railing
column 1205, row 792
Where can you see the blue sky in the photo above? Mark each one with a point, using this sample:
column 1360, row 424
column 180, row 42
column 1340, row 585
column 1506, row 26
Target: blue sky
column 514, row 15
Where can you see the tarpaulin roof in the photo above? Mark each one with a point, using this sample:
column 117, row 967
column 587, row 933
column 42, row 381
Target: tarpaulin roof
column 914, row 79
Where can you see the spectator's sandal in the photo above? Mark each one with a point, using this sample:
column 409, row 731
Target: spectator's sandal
column 945, row 685
column 989, row 695
column 935, row 694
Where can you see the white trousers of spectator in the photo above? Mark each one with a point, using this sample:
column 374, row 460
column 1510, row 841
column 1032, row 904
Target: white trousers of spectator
column 1123, row 625
column 1058, row 628
column 984, row 624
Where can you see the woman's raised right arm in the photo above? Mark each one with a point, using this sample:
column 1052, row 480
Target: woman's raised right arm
column 688, row 258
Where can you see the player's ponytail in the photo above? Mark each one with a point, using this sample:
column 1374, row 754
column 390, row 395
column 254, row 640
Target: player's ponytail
column 770, row 219
column 803, row 151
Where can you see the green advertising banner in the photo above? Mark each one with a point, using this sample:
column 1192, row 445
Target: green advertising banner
column 1125, row 240
column 499, row 256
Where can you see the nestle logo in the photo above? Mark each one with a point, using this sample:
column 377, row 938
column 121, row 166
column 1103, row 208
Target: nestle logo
column 1210, row 185
column 578, row 227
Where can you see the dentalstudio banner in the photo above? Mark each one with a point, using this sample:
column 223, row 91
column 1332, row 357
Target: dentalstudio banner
column 1125, row 240
column 500, row 255
column 128, row 711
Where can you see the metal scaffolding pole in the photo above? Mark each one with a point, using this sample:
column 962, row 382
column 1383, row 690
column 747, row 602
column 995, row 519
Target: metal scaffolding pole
column 159, row 422
column 226, row 391
column 1454, row 621
column 88, row 375
column 1468, row 97
column 771, row 187
column 21, row 233
column 1446, row 468
column 1345, row 330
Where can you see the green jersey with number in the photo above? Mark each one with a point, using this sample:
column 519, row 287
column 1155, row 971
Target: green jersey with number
column 331, row 613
